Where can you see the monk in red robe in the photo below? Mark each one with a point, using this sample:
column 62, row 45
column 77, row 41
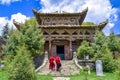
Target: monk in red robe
column 51, row 63
column 58, row 63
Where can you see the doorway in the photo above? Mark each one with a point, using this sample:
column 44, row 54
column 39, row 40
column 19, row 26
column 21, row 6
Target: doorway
column 60, row 51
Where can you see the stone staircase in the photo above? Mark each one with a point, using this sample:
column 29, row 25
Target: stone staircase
column 68, row 68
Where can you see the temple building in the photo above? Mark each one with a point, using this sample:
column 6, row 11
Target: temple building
column 64, row 32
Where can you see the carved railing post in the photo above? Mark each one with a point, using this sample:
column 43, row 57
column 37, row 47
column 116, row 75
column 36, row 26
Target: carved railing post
column 46, row 55
column 74, row 56
column 76, row 60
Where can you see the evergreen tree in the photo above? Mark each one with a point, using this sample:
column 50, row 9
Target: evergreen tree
column 16, row 39
column 113, row 43
column 34, row 37
column 99, row 40
column 21, row 67
column 109, row 63
column 5, row 32
column 30, row 35
column 103, row 52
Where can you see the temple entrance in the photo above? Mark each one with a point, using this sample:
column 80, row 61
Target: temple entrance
column 61, row 48
column 60, row 51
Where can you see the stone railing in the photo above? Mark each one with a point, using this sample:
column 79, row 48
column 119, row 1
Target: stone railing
column 44, row 62
column 82, row 63
column 90, row 63
column 76, row 60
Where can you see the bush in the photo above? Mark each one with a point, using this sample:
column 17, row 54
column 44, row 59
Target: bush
column 109, row 64
column 84, row 50
column 21, row 67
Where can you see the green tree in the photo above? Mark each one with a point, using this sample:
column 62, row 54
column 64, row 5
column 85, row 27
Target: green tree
column 34, row 37
column 21, row 67
column 109, row 64
column 99, row 40
column 103, row 52
column 113, row 43
column 16, row 39
column 30, row 35
column 84, row 50
column 5, row 32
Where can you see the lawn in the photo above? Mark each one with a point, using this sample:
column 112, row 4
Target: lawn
column 92, row 76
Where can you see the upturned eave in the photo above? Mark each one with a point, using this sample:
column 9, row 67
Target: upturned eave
column 81, row 15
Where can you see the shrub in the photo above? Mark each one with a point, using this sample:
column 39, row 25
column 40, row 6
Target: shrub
column 109, row 64
column 21, row 67
column 84, row 50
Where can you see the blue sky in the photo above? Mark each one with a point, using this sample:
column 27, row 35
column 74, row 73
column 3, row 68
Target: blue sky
column 98, row 10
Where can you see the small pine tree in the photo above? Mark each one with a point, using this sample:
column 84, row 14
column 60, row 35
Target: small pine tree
column 21, row 67
column 5, row 32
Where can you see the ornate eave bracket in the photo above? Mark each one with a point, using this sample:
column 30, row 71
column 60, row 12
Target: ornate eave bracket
column 17, row 24
column 100, row 26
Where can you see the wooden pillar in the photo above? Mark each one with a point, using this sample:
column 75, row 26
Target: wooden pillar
column 70, row 54
column 50, row 47
column 50, row 42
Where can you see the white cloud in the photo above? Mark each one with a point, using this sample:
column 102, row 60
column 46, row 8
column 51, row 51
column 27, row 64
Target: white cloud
column 98, row 10
column 8, row 1
column 17, row 17
column 3, row 21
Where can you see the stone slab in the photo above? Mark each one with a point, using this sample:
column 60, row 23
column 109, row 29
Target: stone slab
column 61, row 78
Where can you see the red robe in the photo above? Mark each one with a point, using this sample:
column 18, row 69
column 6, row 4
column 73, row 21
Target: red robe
column 58, row 62
column 51, row 63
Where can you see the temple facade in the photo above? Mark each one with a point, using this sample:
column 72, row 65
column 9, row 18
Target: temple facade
column 64, row 32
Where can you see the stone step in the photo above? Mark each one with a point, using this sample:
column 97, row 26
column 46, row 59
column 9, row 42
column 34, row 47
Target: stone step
column 68, row 68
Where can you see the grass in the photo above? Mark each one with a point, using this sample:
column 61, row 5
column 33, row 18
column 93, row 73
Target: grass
column 3, row 74
column 92, row 76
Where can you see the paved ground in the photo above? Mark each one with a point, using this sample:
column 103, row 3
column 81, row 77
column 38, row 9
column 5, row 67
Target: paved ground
column 68, row 68
column 61, row 78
